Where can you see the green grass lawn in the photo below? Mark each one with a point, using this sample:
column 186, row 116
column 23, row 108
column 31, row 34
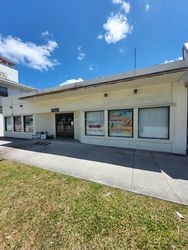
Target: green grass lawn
column 40, row 209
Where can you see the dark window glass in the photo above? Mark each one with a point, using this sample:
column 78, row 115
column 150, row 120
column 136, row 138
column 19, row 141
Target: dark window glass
column 120, row 123
column 17, row 124
column 3, row 91
column 28, row 123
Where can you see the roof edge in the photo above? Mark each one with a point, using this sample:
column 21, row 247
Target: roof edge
column 130, row 76
column 16, row 84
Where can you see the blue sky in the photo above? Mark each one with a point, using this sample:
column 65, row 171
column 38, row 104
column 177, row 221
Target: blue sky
column 55, row 41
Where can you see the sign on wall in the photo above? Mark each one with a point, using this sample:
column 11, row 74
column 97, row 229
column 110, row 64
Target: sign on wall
column 3, row 75
column 55, row 110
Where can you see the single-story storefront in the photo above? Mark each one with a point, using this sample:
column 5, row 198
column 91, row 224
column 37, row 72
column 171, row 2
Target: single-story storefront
column 143, row 109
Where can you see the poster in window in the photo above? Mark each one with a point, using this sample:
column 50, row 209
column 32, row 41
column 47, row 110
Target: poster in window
column 95, row 123
column 17, row 124
column 121, row 123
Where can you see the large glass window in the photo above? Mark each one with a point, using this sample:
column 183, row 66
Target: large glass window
column 17, row 124
column 8, row 123
column 154, row 123
column 120, row 123
column 94, row 122
column 28, row 123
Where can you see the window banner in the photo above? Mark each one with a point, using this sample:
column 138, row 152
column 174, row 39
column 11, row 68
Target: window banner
column 17, row 124
column 121, row 123
column 95, row 123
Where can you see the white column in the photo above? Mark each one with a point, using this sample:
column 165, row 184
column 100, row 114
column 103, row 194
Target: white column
column 106, row 123
column 135, row 123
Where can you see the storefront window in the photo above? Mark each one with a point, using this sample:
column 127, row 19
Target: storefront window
column 94, row 122
column 121, row 123
column 8, row 124
column 28, row 123
column 17, row 124
column 154, row 123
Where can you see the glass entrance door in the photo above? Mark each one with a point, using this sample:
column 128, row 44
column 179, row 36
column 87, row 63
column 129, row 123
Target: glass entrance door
column 65, row 125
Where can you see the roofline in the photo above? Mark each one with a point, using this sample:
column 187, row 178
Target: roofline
column 16, row 84
column 73, row 87
column 7, row 60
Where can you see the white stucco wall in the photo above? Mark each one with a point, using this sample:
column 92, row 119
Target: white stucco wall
column 12, row 91
column 150, row 94
column 1, row 125
column 77, row 125
column 10, row 73
column 45, row 122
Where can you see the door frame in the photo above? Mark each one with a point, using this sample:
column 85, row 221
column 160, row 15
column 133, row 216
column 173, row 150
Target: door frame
column 62, row 113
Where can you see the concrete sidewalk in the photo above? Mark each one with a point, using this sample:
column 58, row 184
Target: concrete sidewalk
column 159, row 175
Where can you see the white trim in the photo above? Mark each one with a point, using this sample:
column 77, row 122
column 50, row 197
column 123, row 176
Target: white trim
column 148, row 105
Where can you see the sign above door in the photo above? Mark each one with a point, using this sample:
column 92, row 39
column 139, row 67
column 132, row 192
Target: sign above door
column 55, row 110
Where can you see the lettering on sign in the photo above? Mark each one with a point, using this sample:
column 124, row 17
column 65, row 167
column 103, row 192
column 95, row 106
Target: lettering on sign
column 3, row 74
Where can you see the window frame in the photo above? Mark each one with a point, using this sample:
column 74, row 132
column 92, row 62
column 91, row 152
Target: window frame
column 85, row 116
column 14, row 124
column 3, row 93
column 6, row 123
column 24, row 124
column 121, row 136
column 155, row 138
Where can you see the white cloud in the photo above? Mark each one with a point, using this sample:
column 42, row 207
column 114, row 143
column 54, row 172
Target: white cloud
column 45, row 33
column 100, row 36
column 71, row 81
column 79, row 48
column 124, row 5
column 173, row 60
column 116, row 1
column 91, row 68
column 81, row 56
column 122, row 50
column 28, row 53
column 117, row 28
column 147, row 7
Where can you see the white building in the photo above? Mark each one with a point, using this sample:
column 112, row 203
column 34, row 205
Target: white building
column 9, row 85
column 143, row 109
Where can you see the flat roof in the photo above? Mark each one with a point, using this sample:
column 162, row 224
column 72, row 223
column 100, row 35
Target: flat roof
column 162, row 69
column 16, row 84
